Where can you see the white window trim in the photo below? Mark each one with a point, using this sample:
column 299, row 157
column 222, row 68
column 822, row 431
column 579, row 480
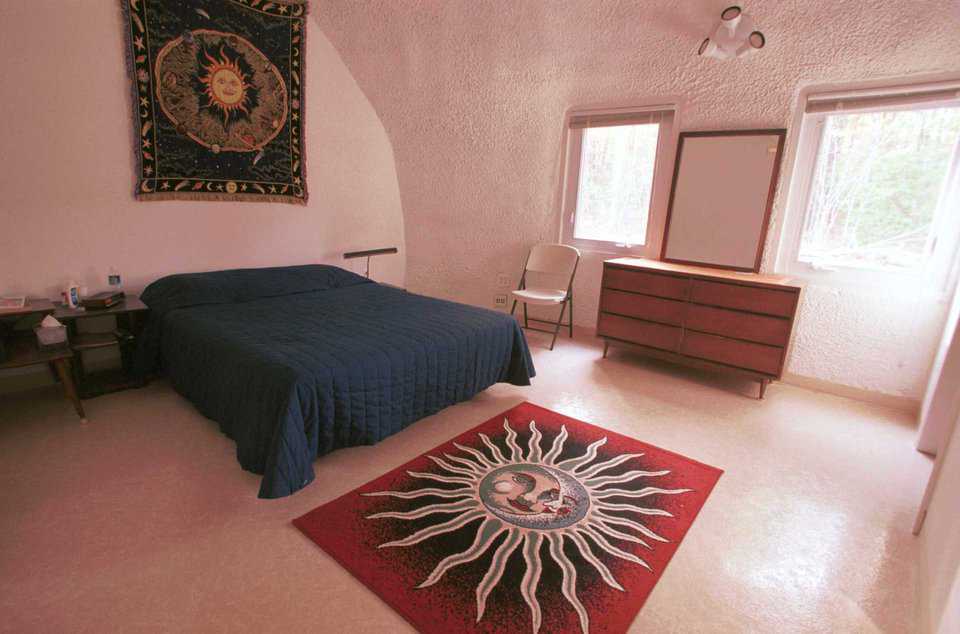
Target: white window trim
column 938, row 281
column 659, row 196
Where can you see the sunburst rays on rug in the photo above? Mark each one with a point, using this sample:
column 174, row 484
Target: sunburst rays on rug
column 533, row 498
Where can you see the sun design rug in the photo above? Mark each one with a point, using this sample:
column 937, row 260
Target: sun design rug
column 218, row 98
column 532, row 521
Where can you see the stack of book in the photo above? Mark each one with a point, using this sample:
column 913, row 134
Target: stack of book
column 103, row 300
column 12, row 303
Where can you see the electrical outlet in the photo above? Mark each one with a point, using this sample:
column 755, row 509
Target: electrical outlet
column 503, row 280
column 499, row 301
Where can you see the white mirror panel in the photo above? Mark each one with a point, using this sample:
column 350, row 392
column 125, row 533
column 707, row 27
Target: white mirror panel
column 721, row 198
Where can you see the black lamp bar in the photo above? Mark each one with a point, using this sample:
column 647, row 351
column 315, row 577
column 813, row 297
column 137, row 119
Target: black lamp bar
column 367, row 254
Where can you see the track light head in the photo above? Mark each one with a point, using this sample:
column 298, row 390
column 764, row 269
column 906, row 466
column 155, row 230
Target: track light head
column 732, row 37
column 730, row 13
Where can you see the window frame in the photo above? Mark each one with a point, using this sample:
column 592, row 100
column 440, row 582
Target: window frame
column 667, row 140
column 938, row 273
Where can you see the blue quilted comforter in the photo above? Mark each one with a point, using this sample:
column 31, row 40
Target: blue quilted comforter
column 295, row 362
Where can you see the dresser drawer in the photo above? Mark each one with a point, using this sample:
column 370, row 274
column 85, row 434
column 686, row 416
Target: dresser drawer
column 760, row 328
column 649, row 283
column 665, row 311
column 755, row 299
column 743, row 354
column 638, row 331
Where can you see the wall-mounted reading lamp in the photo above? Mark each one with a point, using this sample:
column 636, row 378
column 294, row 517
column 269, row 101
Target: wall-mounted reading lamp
column 368, row 254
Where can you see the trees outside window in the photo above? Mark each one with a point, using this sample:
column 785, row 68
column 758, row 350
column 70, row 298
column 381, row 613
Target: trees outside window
column 877, row 189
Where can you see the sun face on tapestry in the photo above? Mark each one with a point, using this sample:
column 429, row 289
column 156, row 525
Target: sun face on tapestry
column 218, row 89
column 225, row 84
column 532, row 523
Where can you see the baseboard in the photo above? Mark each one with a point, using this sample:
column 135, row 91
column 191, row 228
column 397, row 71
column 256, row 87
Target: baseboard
column 29, row 378
column 902, row 403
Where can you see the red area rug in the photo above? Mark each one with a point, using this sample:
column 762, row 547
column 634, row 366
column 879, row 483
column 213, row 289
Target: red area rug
column 532, row 521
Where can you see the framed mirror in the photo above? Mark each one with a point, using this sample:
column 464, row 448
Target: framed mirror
column 720, row 201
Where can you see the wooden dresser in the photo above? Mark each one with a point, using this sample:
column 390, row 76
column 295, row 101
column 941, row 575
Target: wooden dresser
column 737, row 322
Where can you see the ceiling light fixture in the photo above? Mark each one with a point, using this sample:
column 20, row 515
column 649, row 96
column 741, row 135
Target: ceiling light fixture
column 734, row 36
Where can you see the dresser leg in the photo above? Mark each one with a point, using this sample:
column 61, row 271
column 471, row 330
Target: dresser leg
column 763, row 388
column 65, row 373
column 606, row 346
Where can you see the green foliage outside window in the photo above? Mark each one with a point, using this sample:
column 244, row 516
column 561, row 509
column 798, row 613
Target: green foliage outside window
column 876, row 188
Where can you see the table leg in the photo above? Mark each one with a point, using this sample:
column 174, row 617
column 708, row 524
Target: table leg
column 763, row 388
column 75, row 367
column 65, row 373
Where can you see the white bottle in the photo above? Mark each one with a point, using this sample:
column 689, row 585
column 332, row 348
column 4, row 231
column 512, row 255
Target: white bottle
column 73, row 294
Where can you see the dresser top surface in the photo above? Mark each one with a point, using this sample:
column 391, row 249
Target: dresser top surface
column 706, row 272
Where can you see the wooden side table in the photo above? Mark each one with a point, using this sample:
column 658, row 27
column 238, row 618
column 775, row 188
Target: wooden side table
column 20, row 349
column 129, row 315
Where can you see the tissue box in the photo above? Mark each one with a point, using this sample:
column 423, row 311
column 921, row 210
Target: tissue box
column 54, row 338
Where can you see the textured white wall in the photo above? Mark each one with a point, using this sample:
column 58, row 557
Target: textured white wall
column 472, row 94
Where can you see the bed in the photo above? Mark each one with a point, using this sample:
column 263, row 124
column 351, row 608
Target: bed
column 295, row 362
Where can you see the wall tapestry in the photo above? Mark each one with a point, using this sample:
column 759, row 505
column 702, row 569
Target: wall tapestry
column 218, row 98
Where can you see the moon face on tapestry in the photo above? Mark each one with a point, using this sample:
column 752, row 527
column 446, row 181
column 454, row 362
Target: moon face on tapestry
column 218, row 98
column 221, row 91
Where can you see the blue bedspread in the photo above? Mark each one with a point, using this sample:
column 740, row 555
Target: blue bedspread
column 295, row 362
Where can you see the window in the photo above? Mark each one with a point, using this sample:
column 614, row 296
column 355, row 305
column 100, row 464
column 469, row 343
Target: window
column 615, row 165
column 874, row 187
column 616, row 180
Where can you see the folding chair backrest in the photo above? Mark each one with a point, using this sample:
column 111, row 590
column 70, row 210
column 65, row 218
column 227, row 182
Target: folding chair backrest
column 552, row 266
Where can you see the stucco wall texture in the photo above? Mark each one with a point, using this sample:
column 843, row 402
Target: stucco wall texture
column 473, row 94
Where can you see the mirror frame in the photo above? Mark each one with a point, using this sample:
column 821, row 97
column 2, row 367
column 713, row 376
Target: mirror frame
column 781, row 133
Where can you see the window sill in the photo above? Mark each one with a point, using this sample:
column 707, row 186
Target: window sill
column 611, row 250
column 893, row 283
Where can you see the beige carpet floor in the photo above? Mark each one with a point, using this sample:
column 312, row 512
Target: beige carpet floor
column 142, row 520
